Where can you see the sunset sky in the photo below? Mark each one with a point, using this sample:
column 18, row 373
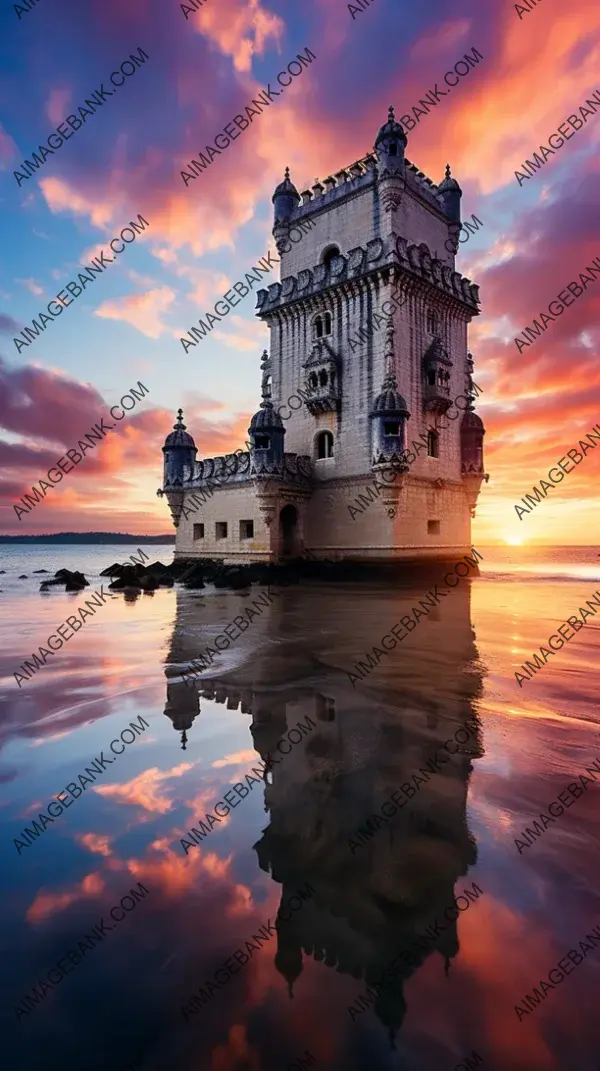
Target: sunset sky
column 536, row 238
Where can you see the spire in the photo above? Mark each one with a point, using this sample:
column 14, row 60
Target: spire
column 179, row 426
column 389, row 380
column 265, row 389
column 448, row 172
column 391, row 115
column 287, row 173
column 183, row 740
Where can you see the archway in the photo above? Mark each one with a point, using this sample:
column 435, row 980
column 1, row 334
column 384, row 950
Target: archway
column 288, row 531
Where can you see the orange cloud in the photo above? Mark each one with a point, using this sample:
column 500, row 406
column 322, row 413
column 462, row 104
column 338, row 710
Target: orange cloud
column 143, row 790
column 47, row 904
column 236, row 758
column 94, row 842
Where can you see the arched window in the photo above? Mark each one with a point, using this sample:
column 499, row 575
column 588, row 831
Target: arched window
column 318, row 328
column 327, row 323
column 312, row 379
column 431, row 377
column 323, row 378
column 433, row 444
column 432, row 322
column 324, row 445
column 329, row 254
column 268, row 386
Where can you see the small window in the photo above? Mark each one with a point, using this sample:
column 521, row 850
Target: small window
column 330, row 253
column 431, row 377
column 268, row 386
column 262, row 442
column 324, row 445
column 433, row 444
column 312, row 379
column 318, row 328
column 432, row 322
column 198, row 531
column 323, row 378
column 246, row 529
column 433, row 527
column 221, row 530
column 327, row 323
column 391, row 427
column 392, row 149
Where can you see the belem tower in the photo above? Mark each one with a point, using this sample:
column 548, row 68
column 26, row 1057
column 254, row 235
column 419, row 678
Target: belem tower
column 369, row 322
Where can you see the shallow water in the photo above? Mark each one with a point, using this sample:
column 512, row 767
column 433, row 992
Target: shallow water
column 297, row 827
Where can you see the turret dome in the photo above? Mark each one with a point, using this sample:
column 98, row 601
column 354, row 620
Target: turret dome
column 391, row 129
column 266, row 419
column 179, row 437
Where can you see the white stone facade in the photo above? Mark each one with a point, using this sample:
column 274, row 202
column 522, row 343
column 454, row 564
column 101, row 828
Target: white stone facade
column 366, row 293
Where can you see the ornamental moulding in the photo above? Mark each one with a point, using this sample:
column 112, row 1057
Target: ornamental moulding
column 415, row 262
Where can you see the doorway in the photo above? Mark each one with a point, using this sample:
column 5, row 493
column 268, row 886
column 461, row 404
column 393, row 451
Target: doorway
column 288, row 532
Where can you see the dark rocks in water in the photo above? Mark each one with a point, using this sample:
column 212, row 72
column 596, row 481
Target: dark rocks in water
column 234, row 578
column 157, row 569
column 73, row 583
column 112, row 570
column 2, row 571
column 40, row 571
column 23, row 576
column 125, row 570
column 193, row 579
column 73, row 577
column 166, row 582
column 148, row 583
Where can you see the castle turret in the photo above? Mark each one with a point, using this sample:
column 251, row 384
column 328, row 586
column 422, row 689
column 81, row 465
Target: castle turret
column 390, row 144
column 450, row 193
column 285, row 199
column 179, row 460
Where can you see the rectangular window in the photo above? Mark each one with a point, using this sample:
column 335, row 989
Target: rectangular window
column 246, row 529
column 262, row 442
column 433, row 527
column 198, row 531
column 391, row 427
column 221, row 530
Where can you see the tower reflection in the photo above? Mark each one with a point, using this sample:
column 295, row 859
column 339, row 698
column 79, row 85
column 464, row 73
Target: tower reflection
column 377, row 893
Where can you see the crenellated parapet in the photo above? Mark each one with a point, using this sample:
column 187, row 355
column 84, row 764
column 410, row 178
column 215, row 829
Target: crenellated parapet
column 408, row 262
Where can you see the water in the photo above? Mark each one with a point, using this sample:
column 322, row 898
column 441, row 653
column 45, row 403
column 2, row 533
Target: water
column 129, row 998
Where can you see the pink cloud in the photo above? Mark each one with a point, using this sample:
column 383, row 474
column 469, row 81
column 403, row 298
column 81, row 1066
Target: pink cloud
column 142, row 311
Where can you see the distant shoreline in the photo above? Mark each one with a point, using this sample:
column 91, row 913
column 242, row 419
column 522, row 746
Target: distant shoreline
column 88, row 538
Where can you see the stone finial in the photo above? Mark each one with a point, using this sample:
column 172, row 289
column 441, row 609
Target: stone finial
column 179, row 426
column 391, row 115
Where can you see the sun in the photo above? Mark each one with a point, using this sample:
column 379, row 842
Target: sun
column 514, row 541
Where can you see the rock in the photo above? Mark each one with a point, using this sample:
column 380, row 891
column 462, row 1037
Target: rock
column 166, row 582
column 72, row 584
column 46, row 584
column 23, row 576
column 157, row 569
column 148, row 583
column 112, row 570
column 234, row 578
column 73, row 577
column 40, row 571
column 2, row 571
column 193, row 579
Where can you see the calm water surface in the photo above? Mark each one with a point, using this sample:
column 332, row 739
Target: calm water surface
column 299, row 992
